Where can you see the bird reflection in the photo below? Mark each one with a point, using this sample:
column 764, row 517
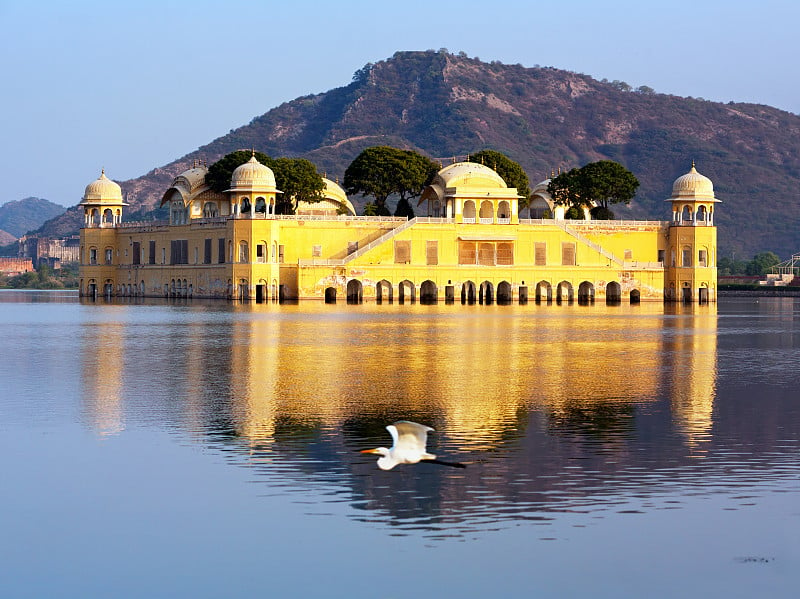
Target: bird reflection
column 409, row 441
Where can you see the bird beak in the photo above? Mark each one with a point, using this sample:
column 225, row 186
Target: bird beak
column 369, row 451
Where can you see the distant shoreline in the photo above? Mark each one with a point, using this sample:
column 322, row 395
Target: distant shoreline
column 761, row 292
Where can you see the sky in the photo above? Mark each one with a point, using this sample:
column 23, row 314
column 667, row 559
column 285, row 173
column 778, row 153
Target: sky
column 130, row 86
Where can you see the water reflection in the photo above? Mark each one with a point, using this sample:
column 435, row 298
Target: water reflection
column 556, row 408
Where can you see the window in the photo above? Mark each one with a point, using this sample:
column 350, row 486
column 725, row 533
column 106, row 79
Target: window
column 467, row 252
column 567, row 254
column 540, row 253
column 505, row 254
column 702, row 258
column 402, row 252
column 628, row 254
column 316, row 251
column 686, row 256
column 221, row 250
column 137, row 252
column 661, row 256
column 109, row 256
column 163, row 255
column 486, row 254
column 207, row 251
column 244, row 252
column 151, row 259
column 432, row 252
column 179, row 251
column 261, row 253
column 92, row 255
column 280, row 254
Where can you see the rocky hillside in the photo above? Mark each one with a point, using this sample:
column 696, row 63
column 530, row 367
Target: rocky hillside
column 446, row 105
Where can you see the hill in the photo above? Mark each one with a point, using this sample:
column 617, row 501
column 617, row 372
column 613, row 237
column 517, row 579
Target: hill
column 545, row 118
column 18, row 217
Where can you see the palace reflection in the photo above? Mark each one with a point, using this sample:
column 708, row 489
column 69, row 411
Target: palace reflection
column 303, row 388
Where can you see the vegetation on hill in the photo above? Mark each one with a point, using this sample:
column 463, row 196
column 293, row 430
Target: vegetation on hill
column 595, row 185
column 43, row 278
column 443, row 106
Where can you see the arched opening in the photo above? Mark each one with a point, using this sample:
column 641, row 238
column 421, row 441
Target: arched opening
column 703, row 295
column 469, row 211
column 702, row 215
column 244, row 206
column 261, row 206
column 275, row 291
column 244, row 252
column 635, row 296
column 468, row 293
column 486, row 293
column 108, row 216
column 504, row 293
column 544, row 290
column 383, row 291
column 487, row 212
column 210, row 210
column 436, row 209
column 585, row 293
column 406, row 292
column 355, row 291
column 564, row 291
column 523, row 294
column 686, row 214
column 330, row 295
column 504, row 210
column 613, row 293
column 428, row 293
column 449, row 294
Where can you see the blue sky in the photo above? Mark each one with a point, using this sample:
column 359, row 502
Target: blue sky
column 132, row 86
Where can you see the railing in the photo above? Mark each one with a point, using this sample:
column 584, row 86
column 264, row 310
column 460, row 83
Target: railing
column 486, row 221
column 383, row 238
column 503, row 221
column 602, row 251
column 468, row 221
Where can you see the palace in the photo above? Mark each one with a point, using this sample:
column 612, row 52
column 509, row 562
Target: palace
column 471, row 246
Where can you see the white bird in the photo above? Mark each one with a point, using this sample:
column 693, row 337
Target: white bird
column 409, row 440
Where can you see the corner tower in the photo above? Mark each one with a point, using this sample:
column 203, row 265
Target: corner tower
column 102, row 213
column 691, row 264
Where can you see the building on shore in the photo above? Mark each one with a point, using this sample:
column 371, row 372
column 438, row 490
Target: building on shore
column 53, row 251
column 471, row 245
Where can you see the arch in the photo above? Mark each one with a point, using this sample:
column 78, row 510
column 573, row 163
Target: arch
column 564, row 291
column 702, row 214
column 486, row 293
column 613, row 293
column 487, row 210
column 686, row 214
column 469, row 211
column 330, row 295
column 355, row 291
column 210, row 210
column 636, row 296
column 405, row 290
column 468, row 294
column 686, row 256
column 437, row 208
column 585, row 293
column 275, row 290
column 544, row 288
column 261, row 206
column 504, row 293
column 383, row 291
column 504, row 210
column 428, row 293
column 185, row 288
column 523, row 294
column 108, row 216
column 244, row 252
column 244, row 205
column 94, row 219
column 141, row 288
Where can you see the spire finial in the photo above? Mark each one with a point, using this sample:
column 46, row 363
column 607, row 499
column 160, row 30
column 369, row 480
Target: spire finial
column 692, row 162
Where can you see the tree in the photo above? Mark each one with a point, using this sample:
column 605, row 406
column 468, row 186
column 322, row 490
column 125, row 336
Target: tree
column 762, row 263
column 299, row 181
column 602, row 183
column 297, row 178
column 381, row 171
column 511, row 172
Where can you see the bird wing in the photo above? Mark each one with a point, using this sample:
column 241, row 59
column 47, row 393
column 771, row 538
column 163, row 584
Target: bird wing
column 409, row 435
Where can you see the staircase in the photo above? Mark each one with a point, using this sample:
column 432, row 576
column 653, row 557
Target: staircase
column 383, row 238
column 602, row 251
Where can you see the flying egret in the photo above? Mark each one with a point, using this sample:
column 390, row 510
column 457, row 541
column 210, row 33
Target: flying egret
column 408, row 448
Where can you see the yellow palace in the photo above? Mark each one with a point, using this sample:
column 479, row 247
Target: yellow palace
column 471, row 245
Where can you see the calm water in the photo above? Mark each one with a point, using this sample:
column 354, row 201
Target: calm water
column 211, row 450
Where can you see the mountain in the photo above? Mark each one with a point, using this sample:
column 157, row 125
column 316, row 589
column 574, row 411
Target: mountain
column 18, row 217
column 446, row 105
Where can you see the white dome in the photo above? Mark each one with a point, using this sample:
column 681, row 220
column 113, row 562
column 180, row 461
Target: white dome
column 103, row 189
column 252, row 175
column 693, row 185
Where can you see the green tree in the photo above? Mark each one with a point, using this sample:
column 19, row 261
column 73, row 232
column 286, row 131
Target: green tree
column 299, row 181
column 762, row 263
column 602, row 183
column 511, row 172
column 381, row 171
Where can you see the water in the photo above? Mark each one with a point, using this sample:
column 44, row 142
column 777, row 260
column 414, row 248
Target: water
column 208, row 449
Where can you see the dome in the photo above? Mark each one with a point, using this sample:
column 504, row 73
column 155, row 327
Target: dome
column 252, row 175
column 333, row 191
column 103, row 189
column 469, row 173
column 693, row 185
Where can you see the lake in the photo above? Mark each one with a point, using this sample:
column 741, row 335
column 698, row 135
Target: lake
column 211, row 449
